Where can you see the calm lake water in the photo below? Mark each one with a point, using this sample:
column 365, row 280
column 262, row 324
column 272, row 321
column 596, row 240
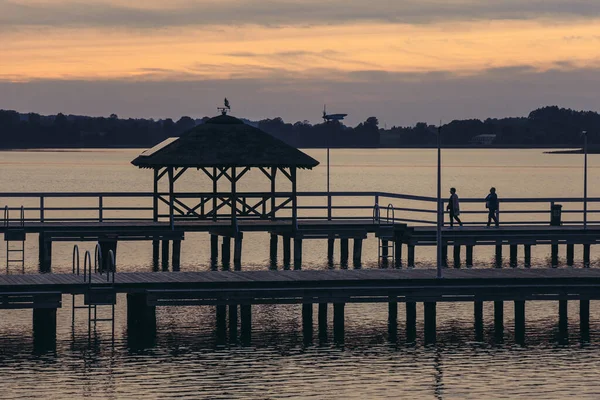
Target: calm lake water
column 186, row 360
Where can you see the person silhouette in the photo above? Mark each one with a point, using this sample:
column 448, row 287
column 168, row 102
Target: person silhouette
column 453, row 207
column 491, row 203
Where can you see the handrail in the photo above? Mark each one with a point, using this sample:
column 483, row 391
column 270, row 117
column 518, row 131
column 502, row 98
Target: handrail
column 6, row 214
column 390, row 207
column 22, row 216
column 112, row 267
column 76, row 259
column 97, row 257
column 87, row 266
column 376, row 216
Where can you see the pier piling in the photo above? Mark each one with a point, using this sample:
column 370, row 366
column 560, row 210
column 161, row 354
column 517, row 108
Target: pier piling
column 330, row 250
column 226, row 253
column 411, row 256
column 563, row 320
column 478, row 313
column 155, row 254
column 233, row 322
column 297, row 253
column 498, row 256
column 393, row 320
column 214, row 250
column 322, row 322
column 221, row 323
column 237, row 251
column 307, row 322
column 141, row 318
column 45, row 254
column 430, row 322
column 499, row 320
column 385, row 253
column 411, row 321
column 273, row 250
column 344, row 253
column 398, row 252
column 586, row 255
column 554, row 255
column 165, row 255
column 44, row 328
column 457, row 256
column 246, row 323
column 469, row 250
column 357, row 253
column 527, row 256
column 520, row 322
column 445, row 255
column 176, row 261
column 514, row 249
column 570, row 254
column 287, row 252
column 584, row 319
column 338, row 322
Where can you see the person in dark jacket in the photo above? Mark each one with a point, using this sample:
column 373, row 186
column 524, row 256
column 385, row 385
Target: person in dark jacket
column 491, row 203
column 453, row 207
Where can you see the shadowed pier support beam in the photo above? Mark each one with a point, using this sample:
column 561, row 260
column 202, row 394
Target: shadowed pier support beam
column 554, row 255
column 514, row 251
column 233, row 322
column 430, row 322
column 322, row 322
column 584, row 319
column 478, row 313
column 498, row 256
column 563, row 321
column 527, row 256
column 307, row 322
column 45, row 254
column 385, row 252
column 44, row 329
column 246, row 323
column 586, row 255
column 357, row 253
column 165, row 255
column 237, row 251
column 457, row 256
column 520, row 322
column 287, row 252
column 221, row 323
column 141, row 320
column 469, row 256
column 214, row 251
column 570, row 254
column 445, row 255
column 393, row 319
column 155, row 254
column 273, row 243
column 297, row 253
column 411, row 321
column 176, row 263
column 226, row 253
column 499, row 320
column 398, row 252
column 338, row 322
column 411, row 256
column 330, row 250
column 344, row 253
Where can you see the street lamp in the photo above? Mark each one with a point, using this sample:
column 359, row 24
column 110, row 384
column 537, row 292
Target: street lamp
column 584, row 133
column 440, row 208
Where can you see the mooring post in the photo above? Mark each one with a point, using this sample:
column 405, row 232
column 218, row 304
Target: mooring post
column 45, row 253
column 221, row 323
column 393, row 319
column 520, row 322
column 357, row 253
column 586, row 255
column 246, row 323
column 554, row 254
column 429, row 309
column 457, row 256
column 176, row 261
column 297, row 253
column 226, row 253
column 165, row 255
column 470, row 256
column 233, row 322
column 273, row 250
column 338, row 322
column 563, row 320
column 384, row 253
column 499, row 320
column 155, row 254
column 322, row 322
column 307, row 322
column 287, row 251
column 411, row 256
column 584, row 319
column 570, row 254
column 44, row 329
column 237, row 251
column 513, row 255
column 498, row 256
column 330, row 250
column 478, row 312
column 445, row 255
column 527, row 256
column 141, row 317
column 411, row 321
column 344, row 253
column 214, row 250
column 398, row 252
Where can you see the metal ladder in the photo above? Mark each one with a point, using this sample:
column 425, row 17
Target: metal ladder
column 386, row 250
column 98, row 294
column 15, row 242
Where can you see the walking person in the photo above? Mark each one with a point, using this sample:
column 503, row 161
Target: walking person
column 454, row 208
column 491, row 203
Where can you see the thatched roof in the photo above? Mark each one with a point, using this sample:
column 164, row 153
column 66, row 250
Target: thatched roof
column 224, row 141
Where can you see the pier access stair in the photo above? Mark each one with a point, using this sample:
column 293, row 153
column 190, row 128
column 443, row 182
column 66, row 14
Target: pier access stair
column 14, row 236
column 386, row 249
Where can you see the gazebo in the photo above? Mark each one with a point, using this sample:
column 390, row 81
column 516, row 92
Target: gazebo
column 225, row 149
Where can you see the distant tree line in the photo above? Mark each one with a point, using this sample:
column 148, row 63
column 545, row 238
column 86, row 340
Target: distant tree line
column 547, row 126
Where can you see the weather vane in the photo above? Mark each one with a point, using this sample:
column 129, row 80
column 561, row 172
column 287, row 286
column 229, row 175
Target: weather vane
column 226, row 107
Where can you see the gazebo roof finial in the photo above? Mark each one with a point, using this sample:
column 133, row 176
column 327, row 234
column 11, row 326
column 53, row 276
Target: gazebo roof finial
column 226, row 107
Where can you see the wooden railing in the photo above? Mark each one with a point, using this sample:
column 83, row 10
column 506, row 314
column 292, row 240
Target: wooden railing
column 414, row 210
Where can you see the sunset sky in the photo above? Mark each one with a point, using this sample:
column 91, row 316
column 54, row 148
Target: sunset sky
column 402, row 61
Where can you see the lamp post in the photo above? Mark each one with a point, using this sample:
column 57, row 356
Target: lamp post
column 584, row 133
column 440, row 212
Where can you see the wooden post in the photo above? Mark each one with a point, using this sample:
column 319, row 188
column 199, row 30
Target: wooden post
column 233, row 322
column 393, row 319
column 499, row 320
column 586, row 255
column 273, row 190
column 141, row 318
column 45, row 254
column 398, row 252
column 584, row 319
column 155, row 254
column 215, row 182
column 527, row 256
column 411, row 321
column 430, row 322
column 457, row 256
column 226, row 253
column 520, row 322
column 44, row 329
column 570, row 254
column 445, row 255
column 338, row 322
column 214, row 250
column 273, row 250
column 344, row 253
column 294, row 199
column 513, row 255
column 165, row 255
column 469, row 256
column 323, row 322
column 498, row 256
column 297, row 253
column 221, row 323
column 246, row 323
column 171, row 198
column 330, row 250
column 176, row 255
column 478, row 311
column 563, row 320
column 411, row 256
column 287, row 251
column 307, row 322
column 357, row 253
column 554, row 255
column 155, row 197
column 237, row 251
column 384, row 253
